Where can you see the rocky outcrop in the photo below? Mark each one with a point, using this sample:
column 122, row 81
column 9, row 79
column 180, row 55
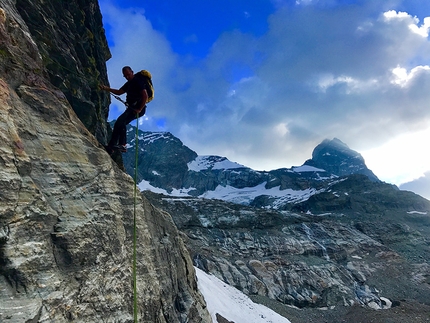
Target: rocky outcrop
column 358, row 193
column 66, row 211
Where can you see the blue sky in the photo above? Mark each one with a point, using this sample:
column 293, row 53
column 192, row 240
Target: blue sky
column 263, row 82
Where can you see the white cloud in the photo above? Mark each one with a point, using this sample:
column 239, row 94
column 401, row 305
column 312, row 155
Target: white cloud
column 393, row 14
column 349, row 84
column 422, row 30
column 403, row 78
column 420, row 185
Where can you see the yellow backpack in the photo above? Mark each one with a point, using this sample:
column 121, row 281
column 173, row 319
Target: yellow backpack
column 150, row 88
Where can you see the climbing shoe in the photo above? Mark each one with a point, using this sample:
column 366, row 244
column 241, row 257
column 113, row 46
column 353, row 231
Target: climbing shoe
column 120, row 148
column 109, row 150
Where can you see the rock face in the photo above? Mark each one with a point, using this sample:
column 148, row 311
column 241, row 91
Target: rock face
column 66, row 210
column 309, row 260
column 72, row 44
column 163, row 158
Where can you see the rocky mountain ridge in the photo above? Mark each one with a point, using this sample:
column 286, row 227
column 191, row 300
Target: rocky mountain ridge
column 337, row 158
column 167, row 165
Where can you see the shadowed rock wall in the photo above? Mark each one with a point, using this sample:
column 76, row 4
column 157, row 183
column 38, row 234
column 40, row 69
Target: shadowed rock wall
column 72, row 43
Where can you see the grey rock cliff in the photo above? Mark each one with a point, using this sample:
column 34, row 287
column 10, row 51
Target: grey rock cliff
column 66, row 210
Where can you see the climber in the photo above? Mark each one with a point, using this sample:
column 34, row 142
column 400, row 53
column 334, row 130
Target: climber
column 137, row 96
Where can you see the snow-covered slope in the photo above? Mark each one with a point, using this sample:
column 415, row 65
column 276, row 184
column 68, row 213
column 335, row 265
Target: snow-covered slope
column 243, row 196
column 232, row 304
column 212, row 163
column 278, row 195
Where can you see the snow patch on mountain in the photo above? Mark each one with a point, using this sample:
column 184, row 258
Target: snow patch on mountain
column 146, row 186
column 154, row 136
column 147, row 137
column 306, row 168
column 212, row 163
column 417, row 212
column 231, row 303
column 246, row 195
column 242, row 196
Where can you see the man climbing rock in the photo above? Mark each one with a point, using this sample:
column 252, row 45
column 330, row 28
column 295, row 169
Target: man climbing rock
column 137, row 88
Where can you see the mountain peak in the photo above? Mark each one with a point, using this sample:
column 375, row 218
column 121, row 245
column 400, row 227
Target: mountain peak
column 337, row 158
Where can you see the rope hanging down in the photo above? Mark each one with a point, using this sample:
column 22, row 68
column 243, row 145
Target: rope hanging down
column 134, row 213
column 134, row 220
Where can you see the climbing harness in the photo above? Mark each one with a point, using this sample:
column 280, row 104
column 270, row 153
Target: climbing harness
column 134, row 220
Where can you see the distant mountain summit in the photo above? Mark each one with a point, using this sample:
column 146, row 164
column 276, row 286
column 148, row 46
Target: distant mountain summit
column 337, row 158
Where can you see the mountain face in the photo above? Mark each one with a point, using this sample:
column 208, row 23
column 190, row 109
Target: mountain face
column 164, row 163
column 66, row 209
column 308, row 260
column 337, row 158
column 327, row 234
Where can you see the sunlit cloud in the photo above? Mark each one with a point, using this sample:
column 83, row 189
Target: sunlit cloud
column 402, row 77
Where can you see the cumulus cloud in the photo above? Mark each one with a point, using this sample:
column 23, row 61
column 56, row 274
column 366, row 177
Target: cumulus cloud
column 359, row 73
column 420, row 186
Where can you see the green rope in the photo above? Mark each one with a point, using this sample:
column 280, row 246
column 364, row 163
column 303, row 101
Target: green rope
column 134, row 219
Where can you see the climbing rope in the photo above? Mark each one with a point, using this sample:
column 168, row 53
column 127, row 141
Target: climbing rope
column 119, row 99
column 134, row 213
column 134, row 219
